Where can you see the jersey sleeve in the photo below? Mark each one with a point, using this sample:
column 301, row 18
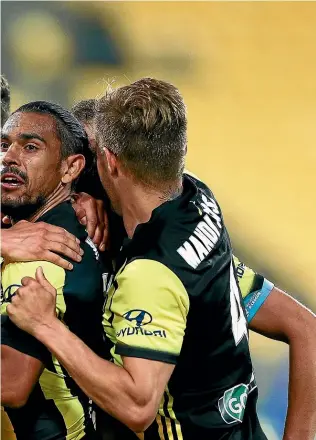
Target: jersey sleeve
column 148, row 311
column 254, row 288
column 11, row 281
column 13, row 273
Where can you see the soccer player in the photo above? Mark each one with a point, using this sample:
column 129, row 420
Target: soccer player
column 280, row 317
column 181, row 366
column 44, row 151
column 274, row 314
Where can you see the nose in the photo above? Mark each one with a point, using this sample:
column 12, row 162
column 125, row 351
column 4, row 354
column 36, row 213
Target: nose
column 11, row 156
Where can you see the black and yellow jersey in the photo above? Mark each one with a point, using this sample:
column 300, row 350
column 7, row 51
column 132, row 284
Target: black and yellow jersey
column 175, row 299
column 57, row 409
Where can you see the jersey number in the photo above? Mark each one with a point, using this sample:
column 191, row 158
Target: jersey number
column 239, row 322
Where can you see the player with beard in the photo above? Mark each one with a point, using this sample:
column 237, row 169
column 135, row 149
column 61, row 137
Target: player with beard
column 269, row 311
column 44, row 150
column 173, row 313
column 280, row 317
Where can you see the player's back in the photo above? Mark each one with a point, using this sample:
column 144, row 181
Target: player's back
column 57, row 409
column 212, row 392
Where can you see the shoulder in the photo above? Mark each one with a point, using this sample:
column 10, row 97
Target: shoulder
column 151, row 282
column 63, row 215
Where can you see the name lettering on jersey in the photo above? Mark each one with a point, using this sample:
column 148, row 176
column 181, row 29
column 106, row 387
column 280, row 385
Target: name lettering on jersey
column 205, row 235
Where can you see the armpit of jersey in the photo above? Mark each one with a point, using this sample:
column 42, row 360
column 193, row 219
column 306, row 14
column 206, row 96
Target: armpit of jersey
column 254, row 288
column 149, row 308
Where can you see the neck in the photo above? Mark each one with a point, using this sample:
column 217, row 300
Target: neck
column 139, row 202
column 59, row 195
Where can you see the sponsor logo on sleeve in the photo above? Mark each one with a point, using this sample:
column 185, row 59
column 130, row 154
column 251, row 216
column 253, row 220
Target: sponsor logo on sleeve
column 139, row 318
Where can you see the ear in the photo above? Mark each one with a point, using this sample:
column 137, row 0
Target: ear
column 73, row 167
column 111, row 163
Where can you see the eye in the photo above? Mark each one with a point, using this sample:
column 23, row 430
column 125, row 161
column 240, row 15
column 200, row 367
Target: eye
column 4, row 146
column 31, row 147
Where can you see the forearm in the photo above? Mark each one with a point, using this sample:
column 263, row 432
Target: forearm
column 301, row 415
column 110, row 386
column 4, row 244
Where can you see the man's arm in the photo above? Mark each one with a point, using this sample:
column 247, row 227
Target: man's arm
column 19, row 374
column 21, row 364
column 23, row 356
column 284, row 319
column 130, row 392
column 27, row 241
column 276, row 315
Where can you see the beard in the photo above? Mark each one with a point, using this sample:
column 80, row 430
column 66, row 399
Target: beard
column 21, row 208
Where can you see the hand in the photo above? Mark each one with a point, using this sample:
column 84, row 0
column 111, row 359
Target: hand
column 34, row 304
column 91, row 213
column 5, row 221
column 27, row 241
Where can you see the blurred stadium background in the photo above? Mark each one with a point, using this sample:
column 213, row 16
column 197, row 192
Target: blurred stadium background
column 247, row 72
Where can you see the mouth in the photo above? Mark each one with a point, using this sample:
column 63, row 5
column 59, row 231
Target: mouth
column 11, row 181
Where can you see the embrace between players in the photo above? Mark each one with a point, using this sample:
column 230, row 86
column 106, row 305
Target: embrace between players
column 154, row 329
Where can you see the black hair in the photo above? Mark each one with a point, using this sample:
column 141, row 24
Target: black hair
column 73, row 138
column 84, row 110
column 5, row 100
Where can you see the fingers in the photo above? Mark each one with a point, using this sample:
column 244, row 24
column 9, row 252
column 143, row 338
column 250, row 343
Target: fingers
column 105, row 242
column 6, row 220
column 58, row 260
column 67, row 236
column 26, row 281
column 41, row 279
column 64, row 250
column 80, row 213
column 74, row 250
column 101, row 233
column 100, row 225
column 86, row 211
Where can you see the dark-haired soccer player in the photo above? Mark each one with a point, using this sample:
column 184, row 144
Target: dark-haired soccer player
column 175, row 286
column 44, row 151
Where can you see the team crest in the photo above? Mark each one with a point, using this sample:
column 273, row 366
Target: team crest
column 233, row 403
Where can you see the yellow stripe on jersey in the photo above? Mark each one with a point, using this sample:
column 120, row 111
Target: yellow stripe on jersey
column 173, row 416
column 160, row 427
column 7, row 431
column 54, row 387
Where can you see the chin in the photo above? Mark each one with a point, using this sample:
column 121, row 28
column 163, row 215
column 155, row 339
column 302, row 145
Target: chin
column 19, row 207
